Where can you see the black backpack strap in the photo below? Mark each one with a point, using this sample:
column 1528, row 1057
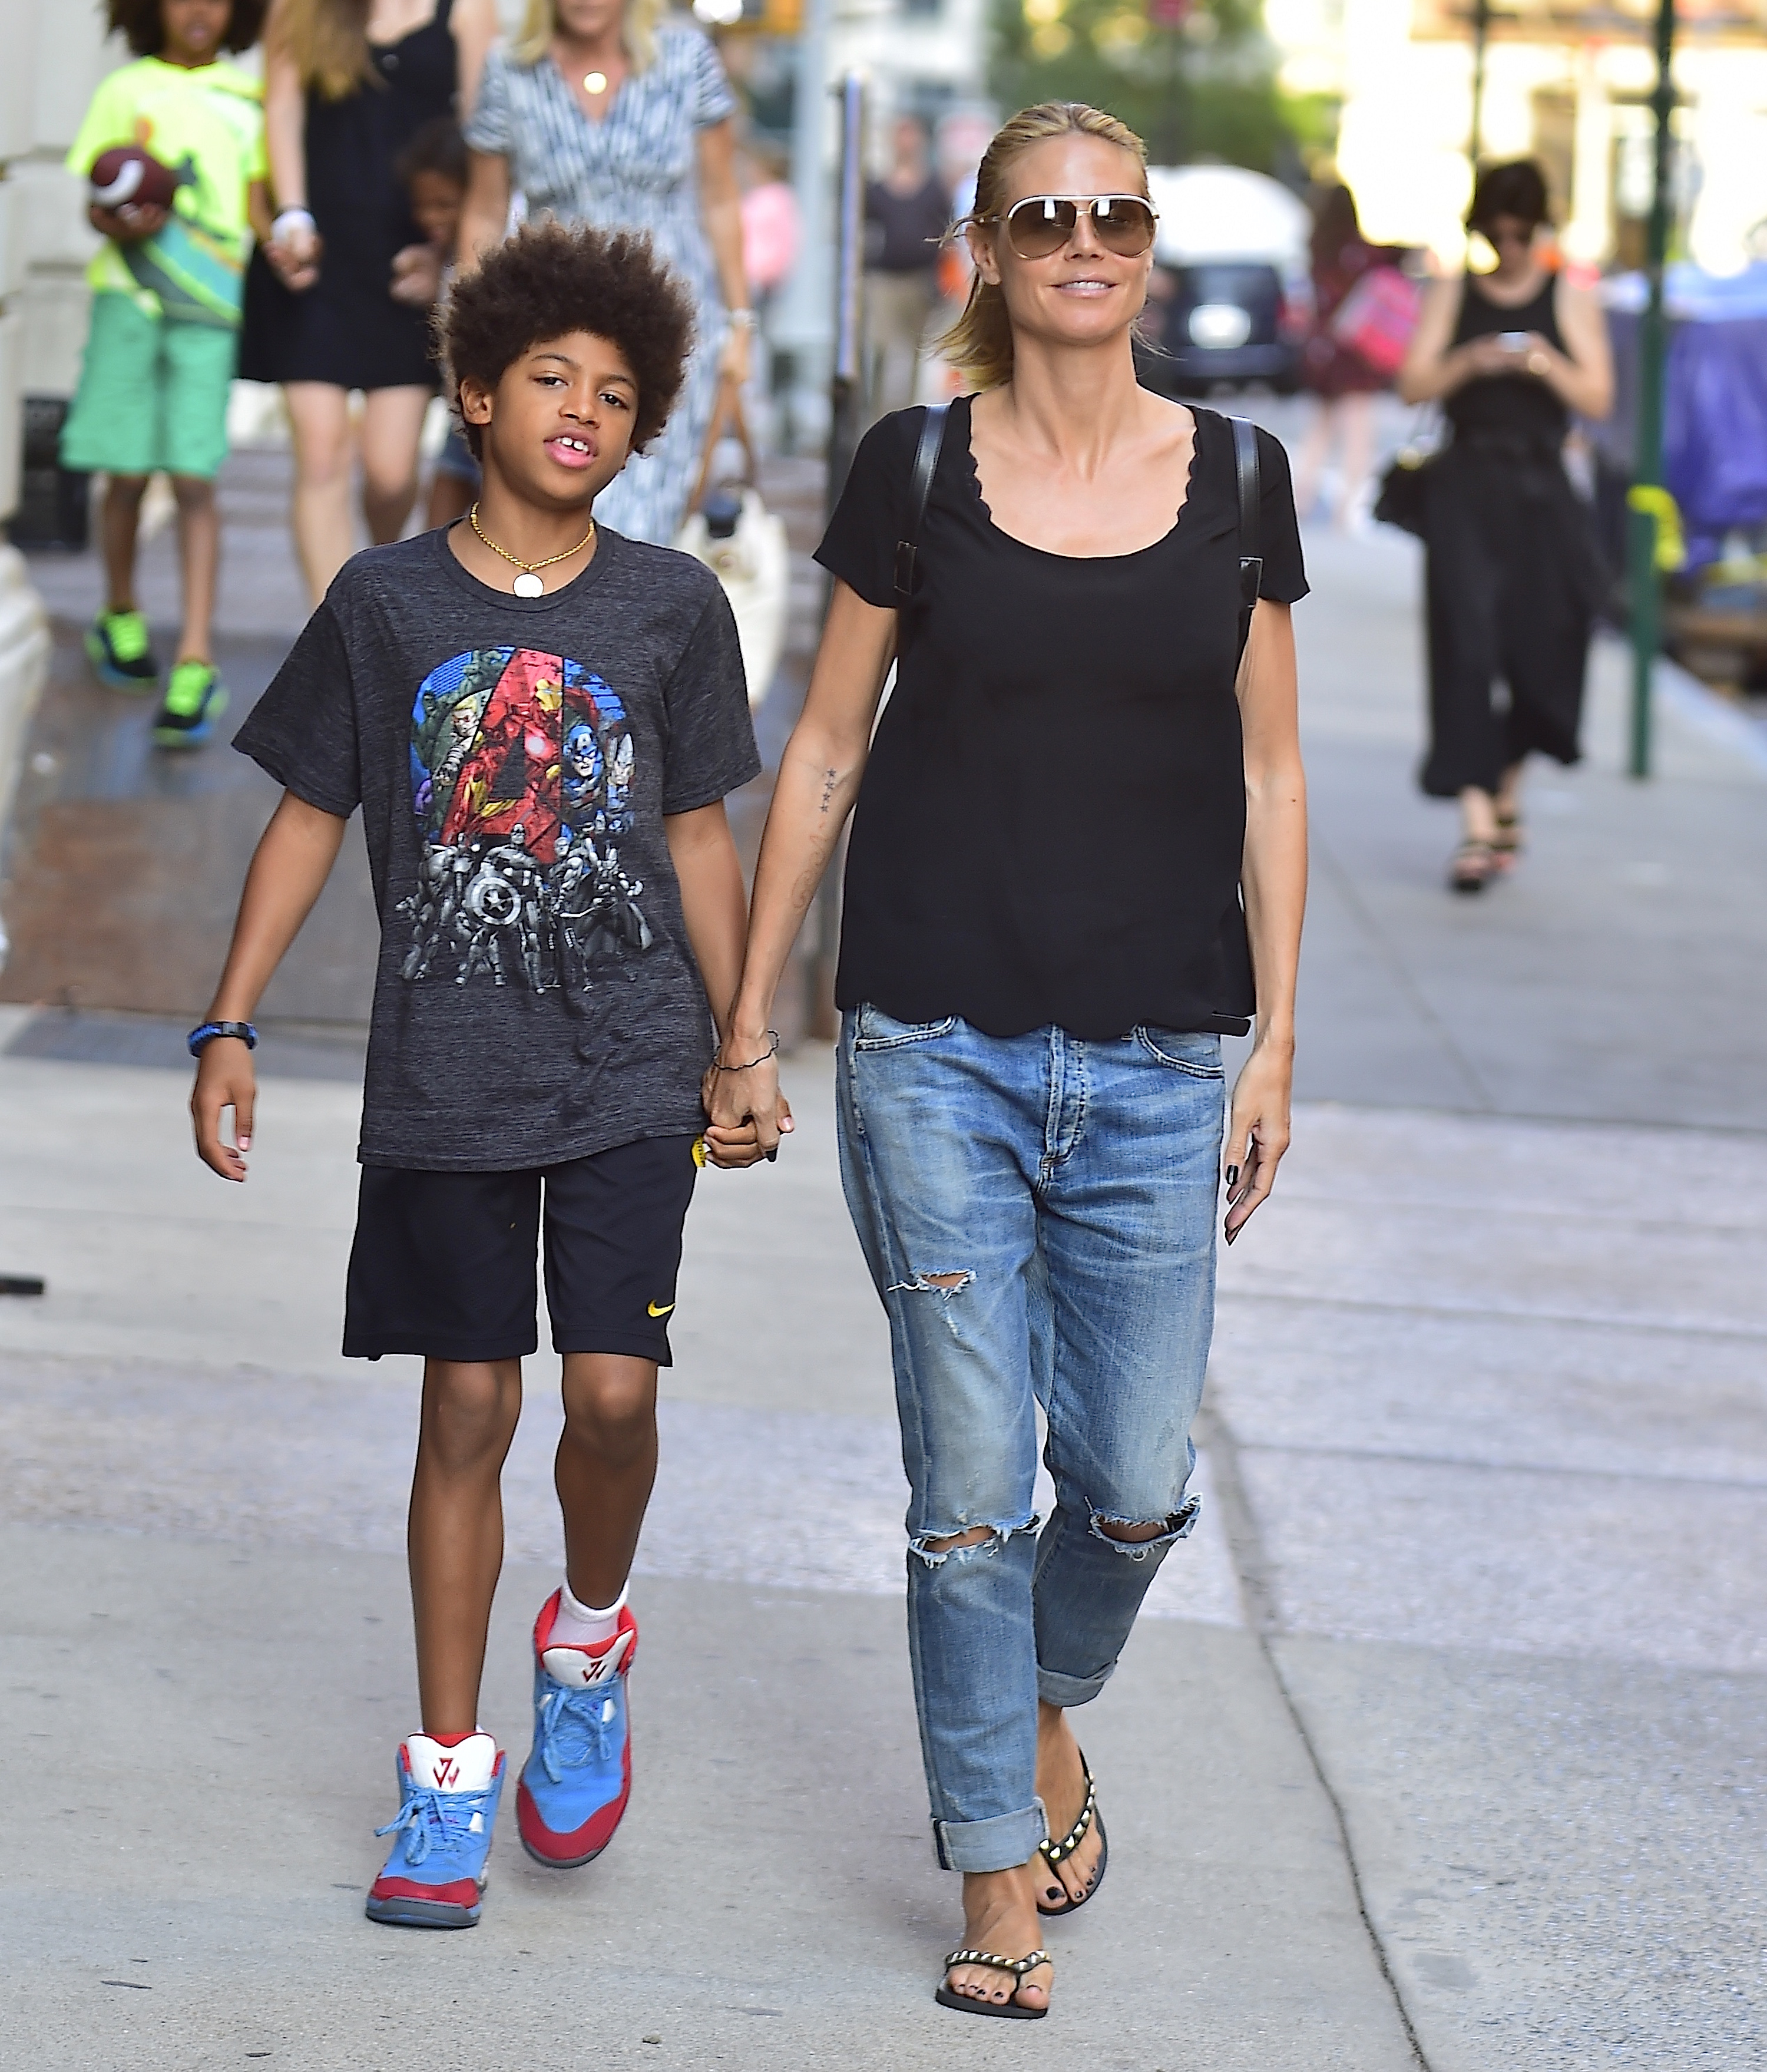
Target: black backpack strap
column 920, row 485
column 1245, row 462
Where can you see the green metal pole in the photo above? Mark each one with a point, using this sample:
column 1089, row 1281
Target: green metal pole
column 1643, row 583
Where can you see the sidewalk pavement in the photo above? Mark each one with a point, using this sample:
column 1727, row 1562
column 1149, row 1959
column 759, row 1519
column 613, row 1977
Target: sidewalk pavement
column 1440, row 1743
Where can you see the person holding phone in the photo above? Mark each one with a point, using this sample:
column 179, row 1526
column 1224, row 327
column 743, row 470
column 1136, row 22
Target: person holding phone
column 1512, row 581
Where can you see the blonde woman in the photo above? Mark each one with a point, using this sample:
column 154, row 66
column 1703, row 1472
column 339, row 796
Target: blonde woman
column 610, row 114
column 347, row 84
column 1078, row 775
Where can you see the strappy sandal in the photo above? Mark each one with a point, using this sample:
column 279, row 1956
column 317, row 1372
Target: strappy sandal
column 1013, row 2009
column 1471, row 867
column 1506, row 843
column 1056, row 1852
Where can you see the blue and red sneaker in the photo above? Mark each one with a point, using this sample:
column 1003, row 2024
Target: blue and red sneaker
column 578, row 1776
column 435, row 1877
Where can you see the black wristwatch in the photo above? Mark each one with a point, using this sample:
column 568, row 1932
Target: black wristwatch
column 246, row 1034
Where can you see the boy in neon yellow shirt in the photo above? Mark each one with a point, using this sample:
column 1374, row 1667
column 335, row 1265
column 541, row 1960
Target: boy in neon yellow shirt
column 167, row 287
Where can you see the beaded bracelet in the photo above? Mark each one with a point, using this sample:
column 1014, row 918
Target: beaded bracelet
column 771, row 1051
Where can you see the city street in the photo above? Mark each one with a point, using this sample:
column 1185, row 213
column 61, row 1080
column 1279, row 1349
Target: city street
column 1440, row 1743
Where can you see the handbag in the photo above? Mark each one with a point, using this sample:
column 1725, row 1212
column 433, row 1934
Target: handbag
column 730, row 529
column 1376, row 318
column 1403, row 496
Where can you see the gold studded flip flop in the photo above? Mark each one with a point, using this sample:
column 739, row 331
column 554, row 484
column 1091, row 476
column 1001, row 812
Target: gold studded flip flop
column 1054, row 1852
column 1013, row 2009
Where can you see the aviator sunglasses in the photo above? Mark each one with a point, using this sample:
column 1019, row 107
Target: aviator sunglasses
column 1041, row 225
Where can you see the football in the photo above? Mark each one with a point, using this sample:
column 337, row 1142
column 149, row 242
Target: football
column 126, row 176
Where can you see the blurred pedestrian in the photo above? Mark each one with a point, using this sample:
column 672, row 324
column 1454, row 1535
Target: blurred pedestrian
column 1512, row 579
column 611, row 112
column 1331, row 369
column 907, row 214
column 1037, row 964
column 347, row 85
column 433, row 166
column 167, row 284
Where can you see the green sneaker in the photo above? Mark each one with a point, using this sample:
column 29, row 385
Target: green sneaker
column 195, row 697
column 118, row 647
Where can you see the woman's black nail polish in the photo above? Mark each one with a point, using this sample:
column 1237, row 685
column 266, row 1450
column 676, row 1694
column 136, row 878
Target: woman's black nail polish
column 1233, row 1176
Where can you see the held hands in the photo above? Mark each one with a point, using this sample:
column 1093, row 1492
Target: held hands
column 749, row 1113
column 224, row 1079
column 295, row 257
column 1257, row 1133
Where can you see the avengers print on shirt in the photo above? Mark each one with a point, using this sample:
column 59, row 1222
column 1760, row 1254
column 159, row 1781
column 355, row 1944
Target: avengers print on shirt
column 521, row 771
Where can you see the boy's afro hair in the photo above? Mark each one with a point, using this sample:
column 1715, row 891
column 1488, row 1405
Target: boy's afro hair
column 140, row 23
column 548, row 280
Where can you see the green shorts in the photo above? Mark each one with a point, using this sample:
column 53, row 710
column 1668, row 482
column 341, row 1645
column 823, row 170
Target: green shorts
column 152, row 394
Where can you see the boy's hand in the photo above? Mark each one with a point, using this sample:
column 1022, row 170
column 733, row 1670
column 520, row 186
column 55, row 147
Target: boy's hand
column 416, row 276
column 134, row 220
column 224, row 1079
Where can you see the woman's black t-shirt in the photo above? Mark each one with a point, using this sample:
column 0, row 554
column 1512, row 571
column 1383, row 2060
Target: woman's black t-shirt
column 1049, row 826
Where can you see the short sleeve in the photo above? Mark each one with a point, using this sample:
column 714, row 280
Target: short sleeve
column 302, row 731
column 711, row 750
column 860, row 544
column 712, row 98
column 488, row 128
column 110, row 120
column 1279, row 531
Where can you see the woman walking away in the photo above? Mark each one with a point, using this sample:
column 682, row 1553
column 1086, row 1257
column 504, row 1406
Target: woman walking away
column 1333, row 370
column 1037, row 968
column 603, row 112
column 1512, row 579
column 348, row 83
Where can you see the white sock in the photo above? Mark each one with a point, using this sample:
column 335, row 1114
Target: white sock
column 575, row 1625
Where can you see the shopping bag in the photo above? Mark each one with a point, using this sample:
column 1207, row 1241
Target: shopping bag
column 730, row 529
column 1377, row 318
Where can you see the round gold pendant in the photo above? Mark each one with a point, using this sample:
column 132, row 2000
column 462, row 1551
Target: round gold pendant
column 528, row 584
column 594, row 82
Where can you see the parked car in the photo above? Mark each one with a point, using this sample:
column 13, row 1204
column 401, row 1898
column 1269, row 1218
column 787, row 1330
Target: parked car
column 1231, row 297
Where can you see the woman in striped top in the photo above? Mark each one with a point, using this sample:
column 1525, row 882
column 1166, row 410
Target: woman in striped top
column 601, row 112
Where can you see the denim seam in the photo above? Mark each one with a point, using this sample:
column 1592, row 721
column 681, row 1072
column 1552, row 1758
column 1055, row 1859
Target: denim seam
column 1175, row 1064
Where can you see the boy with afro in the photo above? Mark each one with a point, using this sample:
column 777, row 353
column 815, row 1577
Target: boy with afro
column 540, row 721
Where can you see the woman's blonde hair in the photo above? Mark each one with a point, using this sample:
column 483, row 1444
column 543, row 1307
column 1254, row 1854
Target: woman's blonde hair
column 637, row 31
column 328, row 42
column 980, row 342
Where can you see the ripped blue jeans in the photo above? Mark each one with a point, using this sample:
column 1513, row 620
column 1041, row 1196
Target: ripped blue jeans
column 1038, row 1214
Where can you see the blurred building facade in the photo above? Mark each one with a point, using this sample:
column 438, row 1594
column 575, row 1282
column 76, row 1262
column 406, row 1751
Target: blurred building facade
column 1568, row 80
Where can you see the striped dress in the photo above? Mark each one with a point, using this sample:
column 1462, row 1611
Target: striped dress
column 637, row 169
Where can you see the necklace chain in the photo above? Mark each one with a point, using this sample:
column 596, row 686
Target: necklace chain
column 514, row 561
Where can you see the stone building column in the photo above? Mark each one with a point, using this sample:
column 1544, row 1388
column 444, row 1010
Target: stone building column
column 52, row 54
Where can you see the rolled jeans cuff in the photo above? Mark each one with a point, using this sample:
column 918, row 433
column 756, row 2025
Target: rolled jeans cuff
column 999, row 1844
column 1055, row 1689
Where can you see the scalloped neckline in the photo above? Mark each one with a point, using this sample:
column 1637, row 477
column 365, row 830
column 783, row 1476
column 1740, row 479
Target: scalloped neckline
column 973, row 475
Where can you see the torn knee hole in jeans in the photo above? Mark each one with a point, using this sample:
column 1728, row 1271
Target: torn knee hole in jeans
column 935, row 1548
column 1148, row 1534
column 946, row 1285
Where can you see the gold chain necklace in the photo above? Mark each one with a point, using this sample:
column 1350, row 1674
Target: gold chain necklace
column 527, row 583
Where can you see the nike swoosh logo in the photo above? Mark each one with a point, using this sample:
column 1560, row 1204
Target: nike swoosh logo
column 662, row 1312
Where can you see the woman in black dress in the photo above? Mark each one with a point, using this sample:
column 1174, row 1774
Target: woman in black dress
column 1512, row 581
column 347, row 83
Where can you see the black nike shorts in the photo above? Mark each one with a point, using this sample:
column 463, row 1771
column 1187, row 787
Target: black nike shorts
column 444, row 1264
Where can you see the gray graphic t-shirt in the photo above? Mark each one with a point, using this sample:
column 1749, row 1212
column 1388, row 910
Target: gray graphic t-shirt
column 536, row 998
